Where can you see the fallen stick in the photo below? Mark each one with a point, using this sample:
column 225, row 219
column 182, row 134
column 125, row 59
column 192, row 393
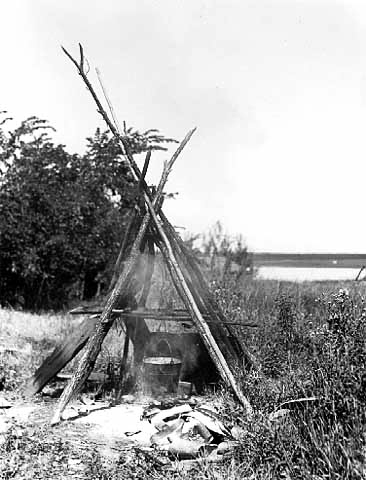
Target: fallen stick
column 180, row 448
column 158, row 419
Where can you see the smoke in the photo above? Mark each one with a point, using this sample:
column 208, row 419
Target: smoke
column 155, row 337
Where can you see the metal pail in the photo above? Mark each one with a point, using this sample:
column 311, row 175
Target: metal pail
column 161, row 374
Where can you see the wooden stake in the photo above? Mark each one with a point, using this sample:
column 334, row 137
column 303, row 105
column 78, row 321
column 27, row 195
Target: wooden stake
column 200, row 323
column 93, row 346
column 149, row 270
column 200, row 283
column 129, row 225
column 202, row 326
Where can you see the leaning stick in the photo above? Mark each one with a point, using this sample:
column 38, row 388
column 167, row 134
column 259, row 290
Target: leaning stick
column 210, row 304
column 200, row 284
column 113, row 127
column 126, row 237
column 93, row 346
column 191, row 305
column 198, row 320
column 149, row 270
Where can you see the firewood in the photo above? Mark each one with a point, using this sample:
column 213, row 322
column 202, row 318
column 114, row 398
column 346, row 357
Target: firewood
column 183, row 449
column 158, row 420
column 161, row 437
column 213, row 425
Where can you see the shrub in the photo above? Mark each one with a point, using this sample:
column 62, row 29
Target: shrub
column 62, row 216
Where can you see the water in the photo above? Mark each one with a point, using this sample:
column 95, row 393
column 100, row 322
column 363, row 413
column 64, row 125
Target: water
column 302, row 274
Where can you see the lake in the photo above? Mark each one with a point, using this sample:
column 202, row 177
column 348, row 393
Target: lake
column 302, row 274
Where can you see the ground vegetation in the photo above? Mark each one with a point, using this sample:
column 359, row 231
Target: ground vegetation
column 62, row 215
column 309, row 344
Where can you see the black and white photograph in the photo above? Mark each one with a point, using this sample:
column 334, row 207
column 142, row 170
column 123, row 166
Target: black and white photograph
column 182, row 240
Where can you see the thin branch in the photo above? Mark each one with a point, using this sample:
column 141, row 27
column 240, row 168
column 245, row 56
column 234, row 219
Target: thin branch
column 92, row 349
column 167, row 251
column 81, row 56
column 149, row 270
column 129, row 225
column 106, row 96
column 121, row 140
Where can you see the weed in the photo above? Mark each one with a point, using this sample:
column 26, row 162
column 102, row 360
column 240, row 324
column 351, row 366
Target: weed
column 310, row 342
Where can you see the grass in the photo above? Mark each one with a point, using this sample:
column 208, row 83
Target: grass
column 33, row 337
column 310, row 342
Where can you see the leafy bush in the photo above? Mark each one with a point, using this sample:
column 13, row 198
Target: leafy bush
column 62, row 216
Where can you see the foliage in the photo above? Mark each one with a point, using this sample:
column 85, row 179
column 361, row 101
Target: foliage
column 62, row 216
column 21, row 445
column 320, row 332
column 310, row 342
column 338, row 377
column 142, row 142
column 227, row 257
column 10, row 370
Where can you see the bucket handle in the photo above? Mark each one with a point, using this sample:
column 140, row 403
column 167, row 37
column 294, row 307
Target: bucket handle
column 165, row 342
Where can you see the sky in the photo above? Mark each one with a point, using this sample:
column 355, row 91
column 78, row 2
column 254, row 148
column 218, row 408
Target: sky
column 276, row 89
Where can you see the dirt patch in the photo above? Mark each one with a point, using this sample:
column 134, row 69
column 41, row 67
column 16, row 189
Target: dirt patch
column 116, row 427
column 110, row 430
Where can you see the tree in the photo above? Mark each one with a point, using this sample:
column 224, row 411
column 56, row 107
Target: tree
column 227, row 255
column 62, row 216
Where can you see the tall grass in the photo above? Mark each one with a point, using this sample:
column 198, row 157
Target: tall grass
column 310, row 341
column 26, row 339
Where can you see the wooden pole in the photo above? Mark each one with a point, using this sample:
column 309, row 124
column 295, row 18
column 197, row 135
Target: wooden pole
column 93, row 346
column 201, row 325
column 149, row 270
column 200, row 283
column 129, row 225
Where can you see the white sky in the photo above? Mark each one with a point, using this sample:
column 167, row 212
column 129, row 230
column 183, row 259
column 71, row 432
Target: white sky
column 277, row 90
